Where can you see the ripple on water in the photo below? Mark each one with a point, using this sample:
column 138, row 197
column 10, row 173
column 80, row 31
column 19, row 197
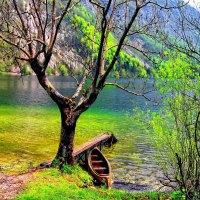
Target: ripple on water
column 133, row 165
column 130, row 187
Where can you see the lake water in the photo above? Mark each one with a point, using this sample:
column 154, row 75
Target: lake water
column 30, row 123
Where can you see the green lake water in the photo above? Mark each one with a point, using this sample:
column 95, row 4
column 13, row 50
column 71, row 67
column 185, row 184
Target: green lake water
column 30, row 126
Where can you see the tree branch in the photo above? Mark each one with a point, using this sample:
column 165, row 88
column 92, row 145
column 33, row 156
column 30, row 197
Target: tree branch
column 110, row 67
column 24, row 28
column 15, row 45
column 56, row 29
column 130, row 91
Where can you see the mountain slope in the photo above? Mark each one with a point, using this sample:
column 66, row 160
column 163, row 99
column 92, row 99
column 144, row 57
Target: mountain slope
column 74, row 46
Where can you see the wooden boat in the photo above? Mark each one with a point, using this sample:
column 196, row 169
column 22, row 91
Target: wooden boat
column 99, row 167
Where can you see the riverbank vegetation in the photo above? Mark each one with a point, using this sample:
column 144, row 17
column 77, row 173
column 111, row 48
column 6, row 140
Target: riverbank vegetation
column 75, row 183
column 175, row 128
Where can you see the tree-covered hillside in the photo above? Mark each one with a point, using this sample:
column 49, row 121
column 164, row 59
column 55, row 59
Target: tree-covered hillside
column 138, row 54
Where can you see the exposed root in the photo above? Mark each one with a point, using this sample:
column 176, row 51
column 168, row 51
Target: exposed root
column 43, row 165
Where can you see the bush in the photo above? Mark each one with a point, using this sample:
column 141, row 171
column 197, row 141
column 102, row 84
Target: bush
column 50, row 71
column 25, row 70
column 63, row 70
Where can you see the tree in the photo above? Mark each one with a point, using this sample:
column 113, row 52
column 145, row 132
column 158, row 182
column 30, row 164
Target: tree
column 176, row 129
column 33, row 27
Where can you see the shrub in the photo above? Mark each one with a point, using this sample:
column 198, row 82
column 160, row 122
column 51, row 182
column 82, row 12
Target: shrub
column 25, row 70
column 49, row 71
column 63, row 70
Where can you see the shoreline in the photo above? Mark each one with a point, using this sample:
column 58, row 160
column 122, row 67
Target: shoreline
column 76, row 183
column 10, row 73
column 18, row 74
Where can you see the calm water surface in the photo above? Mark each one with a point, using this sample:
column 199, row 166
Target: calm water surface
column 132, row 158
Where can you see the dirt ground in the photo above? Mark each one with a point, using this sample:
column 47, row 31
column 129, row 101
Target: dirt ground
column 11, row 185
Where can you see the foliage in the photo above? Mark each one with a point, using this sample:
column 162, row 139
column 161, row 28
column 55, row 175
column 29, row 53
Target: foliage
column 82, row 11
column 6, row 61
column 88, row 34
column 176, row 129
column 50, row 71
column 67, row 169
column 25, row 70
column 63, row 70
column 177, row 195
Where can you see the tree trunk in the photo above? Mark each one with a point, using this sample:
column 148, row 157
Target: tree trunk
column 66, row 144
column 68, row 119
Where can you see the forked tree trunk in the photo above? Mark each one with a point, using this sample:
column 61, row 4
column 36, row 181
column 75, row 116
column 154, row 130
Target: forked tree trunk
column 68, row 120
column 66, row 144
column 69, row 116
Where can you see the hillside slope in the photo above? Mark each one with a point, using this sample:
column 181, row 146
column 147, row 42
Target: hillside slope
column 74, row 48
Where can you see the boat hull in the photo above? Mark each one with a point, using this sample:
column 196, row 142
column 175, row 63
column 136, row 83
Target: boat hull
column 99, row 167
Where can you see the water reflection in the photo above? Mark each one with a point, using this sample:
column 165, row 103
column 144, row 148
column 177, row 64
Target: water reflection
column 27, row 91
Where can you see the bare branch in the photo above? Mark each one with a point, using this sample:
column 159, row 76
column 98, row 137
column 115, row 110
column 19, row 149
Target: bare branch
column 24, row 27
column 120, row 44
column 165, row 6
column 15, row 45
column 130, row 91
column 96, row 3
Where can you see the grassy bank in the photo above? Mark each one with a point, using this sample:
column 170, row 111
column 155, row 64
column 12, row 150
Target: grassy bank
column 74, row 183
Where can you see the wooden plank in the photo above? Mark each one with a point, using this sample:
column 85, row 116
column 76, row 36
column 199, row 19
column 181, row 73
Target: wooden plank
column 97, row 161
column 91, row 144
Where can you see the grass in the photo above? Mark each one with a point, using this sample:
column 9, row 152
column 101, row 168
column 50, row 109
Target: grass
column 54, row 185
